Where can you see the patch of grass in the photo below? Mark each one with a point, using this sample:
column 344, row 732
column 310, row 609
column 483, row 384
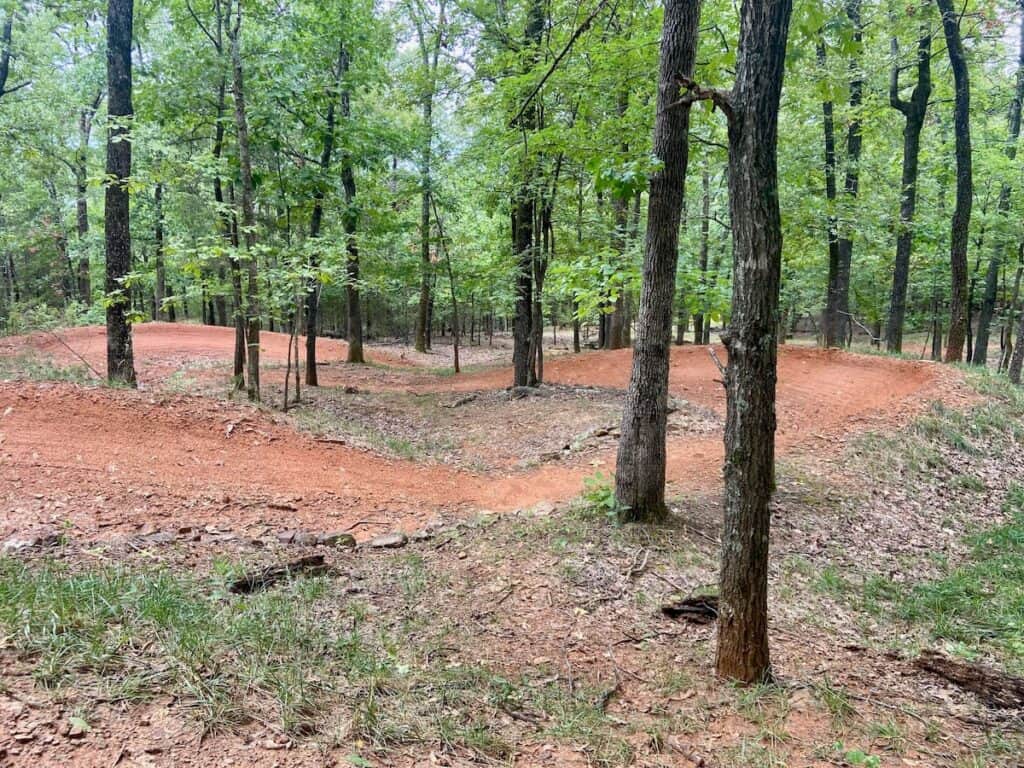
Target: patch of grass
column 836, row 701
column 978, row 603
column 138, row 633
column 831, row 582
column 890, row 734
column 289, row 657
column 29, row 366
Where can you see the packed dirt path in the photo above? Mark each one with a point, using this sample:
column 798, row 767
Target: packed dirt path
column 104, row 458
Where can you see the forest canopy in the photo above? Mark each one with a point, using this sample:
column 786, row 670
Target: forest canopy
column 371, row 124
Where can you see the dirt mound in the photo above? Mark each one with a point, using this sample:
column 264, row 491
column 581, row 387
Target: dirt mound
column 98, row 451
column 162, row 348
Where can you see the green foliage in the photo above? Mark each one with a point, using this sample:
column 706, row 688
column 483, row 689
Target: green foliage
column 599, row 496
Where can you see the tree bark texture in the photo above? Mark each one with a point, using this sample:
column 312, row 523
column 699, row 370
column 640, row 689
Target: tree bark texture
column 751, row 340
column 957, row 334
column 914, row 111
column 640, row 468
column 120, row 357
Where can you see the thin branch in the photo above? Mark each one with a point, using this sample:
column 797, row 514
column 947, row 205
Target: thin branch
column 558, row 59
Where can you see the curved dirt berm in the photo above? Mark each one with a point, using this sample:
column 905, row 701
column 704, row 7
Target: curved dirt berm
column 110, row 459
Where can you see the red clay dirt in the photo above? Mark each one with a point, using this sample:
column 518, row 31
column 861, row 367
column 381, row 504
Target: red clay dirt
column 97, row 452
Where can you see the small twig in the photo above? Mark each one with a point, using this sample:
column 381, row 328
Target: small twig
column 723, row 370
column 634, row 568
column 366, row 522
column 73, row 352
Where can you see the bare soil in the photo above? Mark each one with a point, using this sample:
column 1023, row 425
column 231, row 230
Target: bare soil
column 535, row 590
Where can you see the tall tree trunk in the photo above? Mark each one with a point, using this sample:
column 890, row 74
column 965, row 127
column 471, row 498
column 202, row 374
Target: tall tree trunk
column 1000, row 245
column 831, row 195
column 705, row 232
column 1017, row 358
column 640, row 467
column 751, row 340
column 312, row 303
column 351, row 222
column 964, row 183
column 160, row 287
column 430, row 52
column 914, row 111
column 252, row 298
column 835, row 331
column 85, row 120
column 120, row 357
column 426, row 267
column 523, row 221
column 615, row 336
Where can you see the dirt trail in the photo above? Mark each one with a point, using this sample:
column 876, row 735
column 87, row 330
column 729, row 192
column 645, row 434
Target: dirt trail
column 64, row 439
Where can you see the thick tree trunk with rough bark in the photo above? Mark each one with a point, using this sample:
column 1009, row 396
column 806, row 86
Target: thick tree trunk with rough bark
column 751, row 339
column 640, row 468
column 914, row 111
column 958, row 319
column 524, row 237
column 120, row 357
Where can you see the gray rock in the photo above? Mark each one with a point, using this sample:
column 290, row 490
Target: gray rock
column 388, row 541
column 162, row 537
column 305, row 539
column 287, row 537
column 337, row 540
column 15, row 544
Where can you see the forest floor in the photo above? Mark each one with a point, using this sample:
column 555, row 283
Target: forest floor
column 516, row 624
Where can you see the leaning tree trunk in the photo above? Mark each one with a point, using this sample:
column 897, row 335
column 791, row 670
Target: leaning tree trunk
column 120, row 357
column 914, row 111
column 751, row 338
column 988, row 304
column 964, row 183
column 640, row 469
column 252, row 299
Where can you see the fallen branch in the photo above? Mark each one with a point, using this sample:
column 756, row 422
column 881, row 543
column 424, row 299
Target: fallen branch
column 996, row 689
column 702, row 609
column 461, row 401
column 259, row 580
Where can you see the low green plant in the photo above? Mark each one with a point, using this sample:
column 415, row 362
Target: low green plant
column 599, row 496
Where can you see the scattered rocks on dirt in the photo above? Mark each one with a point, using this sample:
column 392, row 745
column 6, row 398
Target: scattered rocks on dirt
column 388, row 541
column 336, row 540
column 19, row 543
